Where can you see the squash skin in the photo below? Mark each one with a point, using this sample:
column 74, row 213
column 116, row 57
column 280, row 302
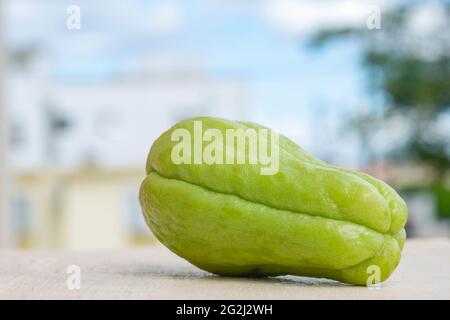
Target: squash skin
column 308, row 219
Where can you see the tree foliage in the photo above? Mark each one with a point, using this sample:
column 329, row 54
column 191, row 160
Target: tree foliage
column 408, row 63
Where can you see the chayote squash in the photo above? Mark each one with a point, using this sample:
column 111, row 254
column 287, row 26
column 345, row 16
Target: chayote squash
column 308, row 219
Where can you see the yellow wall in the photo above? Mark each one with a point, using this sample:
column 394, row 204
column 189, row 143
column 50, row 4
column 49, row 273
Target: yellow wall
column 85, row 209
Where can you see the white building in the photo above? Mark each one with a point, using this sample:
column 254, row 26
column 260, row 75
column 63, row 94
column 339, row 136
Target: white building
column 77, row 187
column 112, row 123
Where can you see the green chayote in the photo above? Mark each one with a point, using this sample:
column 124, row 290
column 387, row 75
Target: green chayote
column 308, row 219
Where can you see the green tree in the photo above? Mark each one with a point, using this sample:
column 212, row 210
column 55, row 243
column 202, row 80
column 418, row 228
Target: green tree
column 408, row 65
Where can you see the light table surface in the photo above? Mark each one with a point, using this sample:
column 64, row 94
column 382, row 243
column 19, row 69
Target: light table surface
column 156, row 273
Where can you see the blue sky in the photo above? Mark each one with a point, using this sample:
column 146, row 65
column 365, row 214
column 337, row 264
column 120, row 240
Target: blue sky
column 263, row 42
column 232, row 40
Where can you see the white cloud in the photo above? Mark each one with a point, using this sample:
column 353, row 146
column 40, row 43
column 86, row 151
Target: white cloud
column 428, row 27
column 166, row 17
column 136, row 16
column 27, row 19
column 426, row 19
column 44, row 21
column 302, row 17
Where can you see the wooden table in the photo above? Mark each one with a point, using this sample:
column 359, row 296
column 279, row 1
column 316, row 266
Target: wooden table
column 156, row 273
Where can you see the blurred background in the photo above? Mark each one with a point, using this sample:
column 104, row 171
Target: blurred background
column 86, row 87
